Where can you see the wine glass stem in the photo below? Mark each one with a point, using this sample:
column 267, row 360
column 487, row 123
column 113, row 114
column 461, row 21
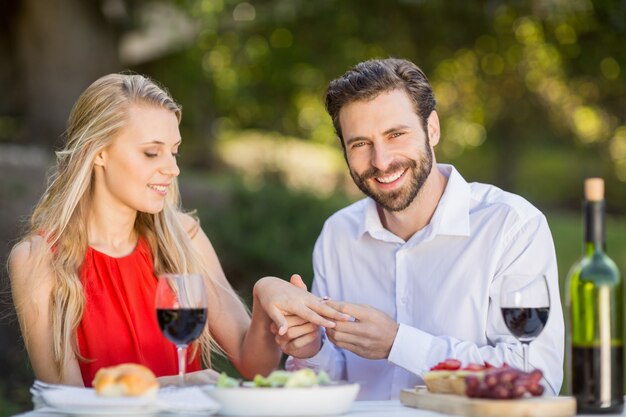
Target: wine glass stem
column 525, row 346
column 182, row 362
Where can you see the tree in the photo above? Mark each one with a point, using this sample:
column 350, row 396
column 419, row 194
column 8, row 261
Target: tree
column 55, row 49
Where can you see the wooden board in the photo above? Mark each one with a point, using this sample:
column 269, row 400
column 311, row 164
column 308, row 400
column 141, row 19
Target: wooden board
column 478, row 407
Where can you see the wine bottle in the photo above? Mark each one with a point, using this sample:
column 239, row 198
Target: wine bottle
column 596, row 317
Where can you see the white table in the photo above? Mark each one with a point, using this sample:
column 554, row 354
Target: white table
column 359, row 409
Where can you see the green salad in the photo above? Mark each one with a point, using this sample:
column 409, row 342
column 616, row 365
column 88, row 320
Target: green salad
column 303, row 378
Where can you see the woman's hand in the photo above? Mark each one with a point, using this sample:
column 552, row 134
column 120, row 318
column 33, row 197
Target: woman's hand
column 302, row 340
column 279, row 298
column 203, row 377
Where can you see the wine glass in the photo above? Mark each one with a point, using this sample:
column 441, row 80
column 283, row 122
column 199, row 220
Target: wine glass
column 181, row 308
column 525, row 305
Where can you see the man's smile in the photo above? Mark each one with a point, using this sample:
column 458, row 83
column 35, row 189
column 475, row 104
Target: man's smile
column 388, row 179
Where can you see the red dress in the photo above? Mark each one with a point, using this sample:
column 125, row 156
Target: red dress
column 119, row 324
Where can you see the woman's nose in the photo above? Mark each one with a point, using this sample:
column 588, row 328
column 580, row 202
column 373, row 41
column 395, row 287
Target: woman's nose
column 171, row 167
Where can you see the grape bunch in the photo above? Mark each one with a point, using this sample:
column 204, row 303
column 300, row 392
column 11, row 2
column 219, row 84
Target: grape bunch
column 504, row 383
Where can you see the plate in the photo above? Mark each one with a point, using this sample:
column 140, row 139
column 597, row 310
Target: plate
column 106, row 412
column 313, row 401
column 98, row 410
column 85, row 402
column 189, row 401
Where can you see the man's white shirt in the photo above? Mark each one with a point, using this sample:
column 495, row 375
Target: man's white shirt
column 441, row 286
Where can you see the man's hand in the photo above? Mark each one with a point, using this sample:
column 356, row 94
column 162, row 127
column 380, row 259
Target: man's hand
column 370, row 336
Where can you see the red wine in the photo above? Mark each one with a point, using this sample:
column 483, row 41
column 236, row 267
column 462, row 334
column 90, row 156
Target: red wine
column 588, row 383
column 182, row 326
column 525, row 323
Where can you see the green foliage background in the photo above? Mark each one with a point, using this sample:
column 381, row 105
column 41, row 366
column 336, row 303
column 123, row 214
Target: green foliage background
column 531, row 96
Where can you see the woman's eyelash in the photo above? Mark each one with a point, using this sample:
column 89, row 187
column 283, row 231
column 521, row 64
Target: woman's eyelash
column 154, row 155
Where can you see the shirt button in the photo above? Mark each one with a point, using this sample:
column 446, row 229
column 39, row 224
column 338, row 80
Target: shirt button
column 404, row 300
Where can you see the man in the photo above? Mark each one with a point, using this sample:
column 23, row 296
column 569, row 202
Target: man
column 419, row 262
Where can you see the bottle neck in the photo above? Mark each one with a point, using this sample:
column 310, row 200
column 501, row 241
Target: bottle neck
column 594, row 226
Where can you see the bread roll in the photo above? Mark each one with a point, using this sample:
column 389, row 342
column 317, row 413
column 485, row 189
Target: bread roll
column 448, row 382
column 125, row 380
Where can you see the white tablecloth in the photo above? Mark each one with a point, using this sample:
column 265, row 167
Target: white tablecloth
column 359, row 409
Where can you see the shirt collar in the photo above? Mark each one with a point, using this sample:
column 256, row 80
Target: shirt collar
column 451, row 216
column 371, row 224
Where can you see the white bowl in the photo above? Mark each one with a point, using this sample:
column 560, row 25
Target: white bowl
column 313, row 401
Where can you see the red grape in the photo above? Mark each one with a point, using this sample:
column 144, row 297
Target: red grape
column 504, row 382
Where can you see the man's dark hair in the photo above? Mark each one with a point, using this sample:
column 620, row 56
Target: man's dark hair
column 368, row 79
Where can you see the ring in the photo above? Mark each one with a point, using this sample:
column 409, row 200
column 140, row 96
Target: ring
column 325, row 298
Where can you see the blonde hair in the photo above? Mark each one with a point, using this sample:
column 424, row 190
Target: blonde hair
column 60, row 216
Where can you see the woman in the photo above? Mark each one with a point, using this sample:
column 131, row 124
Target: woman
column 84, row 277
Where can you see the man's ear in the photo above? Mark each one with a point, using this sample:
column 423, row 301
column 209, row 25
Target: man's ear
column 433, row 128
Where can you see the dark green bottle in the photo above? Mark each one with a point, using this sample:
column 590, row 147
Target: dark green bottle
column 596, row 317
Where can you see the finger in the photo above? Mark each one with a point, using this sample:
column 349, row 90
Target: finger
column 326, row 310
column 351, row 327
column 343, row 337
column 291, row 336
column 303, row 341
column 298, row 331
column 353, row 310
column 330, row 335
column 297, row 281
column 339, row 340
column 349, row 346
column 293, row 320
column 313, row 317
column 279, row 319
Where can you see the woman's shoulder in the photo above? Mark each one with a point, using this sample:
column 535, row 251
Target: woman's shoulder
column 190, row 223
column 27, row 254
column 24, row 250
column 19, row 256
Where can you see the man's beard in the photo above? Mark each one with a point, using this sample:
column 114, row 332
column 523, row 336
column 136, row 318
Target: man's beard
column 397, row 200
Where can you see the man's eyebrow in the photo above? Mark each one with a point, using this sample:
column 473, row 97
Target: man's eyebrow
column 395, row 129
column 386, row 132
column 355, row 139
